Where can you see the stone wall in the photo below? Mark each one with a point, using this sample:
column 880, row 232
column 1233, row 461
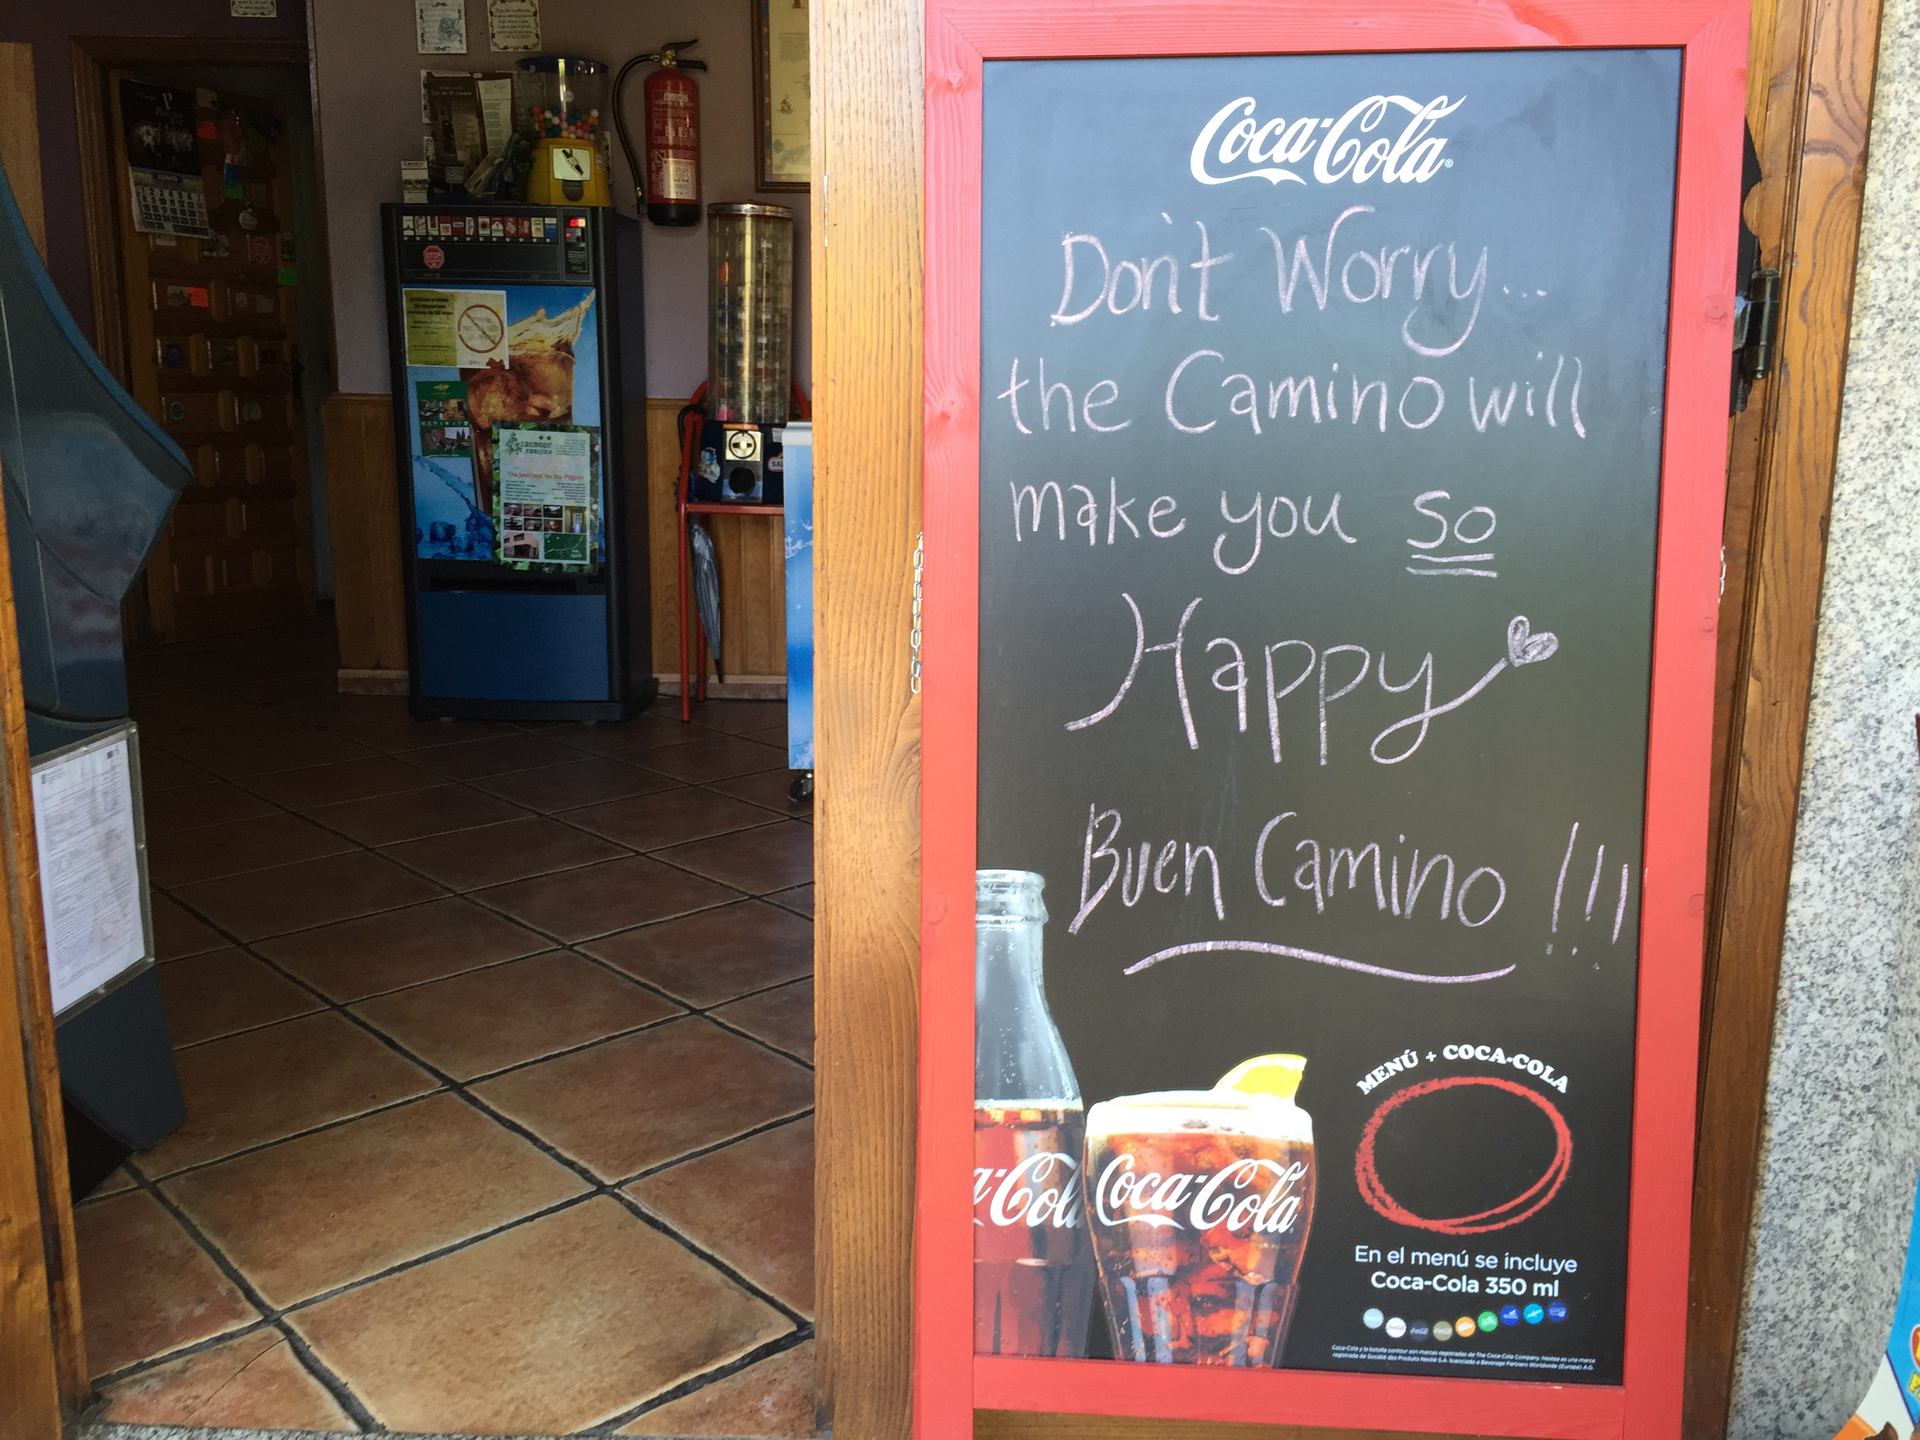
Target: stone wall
column 1842, row 1135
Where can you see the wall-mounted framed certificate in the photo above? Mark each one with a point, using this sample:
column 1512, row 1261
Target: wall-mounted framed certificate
column 781, row 95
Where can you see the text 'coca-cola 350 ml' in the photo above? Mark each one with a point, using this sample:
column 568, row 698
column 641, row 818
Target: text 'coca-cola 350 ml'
column 1200, row 1204
column 1032, row 1267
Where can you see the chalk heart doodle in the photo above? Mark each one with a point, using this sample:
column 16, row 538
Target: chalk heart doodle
column 1524, row 647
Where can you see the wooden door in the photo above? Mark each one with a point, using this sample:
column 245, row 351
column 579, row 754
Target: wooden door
column 213, row 355
column 40, row 1348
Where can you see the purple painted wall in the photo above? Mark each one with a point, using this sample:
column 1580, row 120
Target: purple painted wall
column 50, row 26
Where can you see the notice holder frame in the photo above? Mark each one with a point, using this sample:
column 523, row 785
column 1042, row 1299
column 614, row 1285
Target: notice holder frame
column 129, row 731
column 950, row 1382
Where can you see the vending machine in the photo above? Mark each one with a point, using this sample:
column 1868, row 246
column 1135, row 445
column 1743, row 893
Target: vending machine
column 522, row 493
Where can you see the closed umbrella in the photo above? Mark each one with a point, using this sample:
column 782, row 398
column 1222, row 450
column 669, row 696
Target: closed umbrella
column 706, row 589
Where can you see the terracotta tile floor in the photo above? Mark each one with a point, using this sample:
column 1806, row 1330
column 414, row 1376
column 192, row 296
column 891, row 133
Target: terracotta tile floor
column 497, row 1044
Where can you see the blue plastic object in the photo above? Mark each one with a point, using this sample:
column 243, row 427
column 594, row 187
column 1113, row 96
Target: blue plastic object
column 89, row 480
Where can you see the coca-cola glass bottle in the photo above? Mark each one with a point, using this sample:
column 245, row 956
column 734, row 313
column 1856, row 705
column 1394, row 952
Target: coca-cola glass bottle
column 1032, row 1264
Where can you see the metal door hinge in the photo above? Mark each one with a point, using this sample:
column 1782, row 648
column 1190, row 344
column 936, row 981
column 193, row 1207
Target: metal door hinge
column 1756, row 331
column 913, row 637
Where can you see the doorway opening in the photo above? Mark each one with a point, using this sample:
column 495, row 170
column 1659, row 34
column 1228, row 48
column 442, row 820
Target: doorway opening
column 495, row 1038
column 207, row 254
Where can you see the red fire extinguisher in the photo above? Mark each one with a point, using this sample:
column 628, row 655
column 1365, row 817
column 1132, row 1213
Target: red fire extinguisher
column 668, row 182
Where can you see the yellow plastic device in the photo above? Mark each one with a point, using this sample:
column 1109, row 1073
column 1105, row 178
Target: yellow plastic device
column 567, row 172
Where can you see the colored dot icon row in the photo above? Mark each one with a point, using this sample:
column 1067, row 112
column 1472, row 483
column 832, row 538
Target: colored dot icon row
column 1464, row 1326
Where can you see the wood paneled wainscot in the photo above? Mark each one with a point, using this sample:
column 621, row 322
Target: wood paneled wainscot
column 363, row 513
column 370, row 599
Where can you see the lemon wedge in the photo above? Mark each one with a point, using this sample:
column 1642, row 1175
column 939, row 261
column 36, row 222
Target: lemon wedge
column 1277, row 1075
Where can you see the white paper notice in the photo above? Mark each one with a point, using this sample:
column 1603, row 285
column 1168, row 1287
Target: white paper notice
column 496, row 113
column 513, row 24
column 442, row 26
column 480, row 328
column 89, row 869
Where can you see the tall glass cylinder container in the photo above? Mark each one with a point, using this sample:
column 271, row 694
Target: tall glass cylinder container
column 750, row 319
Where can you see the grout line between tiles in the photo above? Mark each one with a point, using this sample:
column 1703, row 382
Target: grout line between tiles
column 376, row 994
column 474, row 896
column 238, row 1030
column 704, row 1011
column 753, row 994
column 690, row 1006
column 804, row 1329
column 584, row 1045
column 714, row 1149
column 459, row 1089
column 656, row 855
column 653, row 1222
column 557, row 946
column 556, row 942
column 184, row 1352
column 774, row 899
column 693, row 1384
column 762, row 1042
column 311, row 1130
column 322, row 1374
column 454, row 1247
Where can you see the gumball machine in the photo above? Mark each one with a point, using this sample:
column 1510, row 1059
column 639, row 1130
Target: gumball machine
column 559, row 104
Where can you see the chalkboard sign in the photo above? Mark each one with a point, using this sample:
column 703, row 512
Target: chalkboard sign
column 1327, row 463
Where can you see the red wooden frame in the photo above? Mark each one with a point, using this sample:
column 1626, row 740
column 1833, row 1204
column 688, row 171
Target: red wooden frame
column 949, row 1381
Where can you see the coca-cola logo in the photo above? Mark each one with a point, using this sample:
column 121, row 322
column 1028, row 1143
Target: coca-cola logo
column 1232, row 1196
column 1043, row 1189
column 1357, row 146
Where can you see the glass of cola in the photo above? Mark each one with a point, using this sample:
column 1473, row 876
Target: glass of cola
column 1200, row 1205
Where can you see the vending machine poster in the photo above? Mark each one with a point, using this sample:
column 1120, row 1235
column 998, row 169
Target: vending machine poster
column 547, row 495
column 1325, row 464
column 478, row 359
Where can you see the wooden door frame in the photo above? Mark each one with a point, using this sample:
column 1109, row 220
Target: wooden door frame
column 1819, row 61
column 1811, row 110
column 42, row 1360
column 1810, row 102
column 94, row 56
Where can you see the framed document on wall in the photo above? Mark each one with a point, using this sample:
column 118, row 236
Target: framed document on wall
column 782, row 93
column 1324, row 463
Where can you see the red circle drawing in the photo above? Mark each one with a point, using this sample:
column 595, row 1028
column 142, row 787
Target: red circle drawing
column 1526, row 1203
column 434, row 256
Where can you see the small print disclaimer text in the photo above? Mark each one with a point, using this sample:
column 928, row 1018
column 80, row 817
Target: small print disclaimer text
column 1408, row 1355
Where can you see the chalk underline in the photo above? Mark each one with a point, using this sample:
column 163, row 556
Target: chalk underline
column 1292, row 952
